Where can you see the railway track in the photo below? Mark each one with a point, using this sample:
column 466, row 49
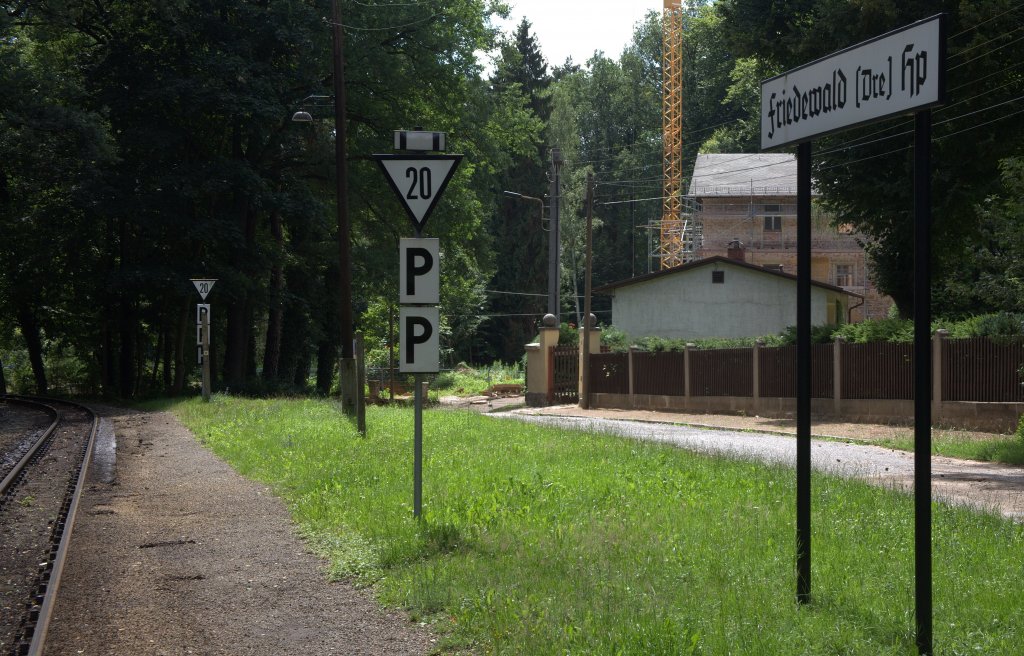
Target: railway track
column 42, row 472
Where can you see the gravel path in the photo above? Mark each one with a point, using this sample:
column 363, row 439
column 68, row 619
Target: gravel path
column 181, row 555
column 990, row 487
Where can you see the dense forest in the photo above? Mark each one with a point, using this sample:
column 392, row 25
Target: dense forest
column 144, row 144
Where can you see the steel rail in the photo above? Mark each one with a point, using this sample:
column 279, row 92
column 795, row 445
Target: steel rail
column 64, row 524
column 20, row 465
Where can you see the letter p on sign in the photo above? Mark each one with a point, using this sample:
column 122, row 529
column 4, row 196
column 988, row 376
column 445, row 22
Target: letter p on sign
column 419, row 272
column 418, row 349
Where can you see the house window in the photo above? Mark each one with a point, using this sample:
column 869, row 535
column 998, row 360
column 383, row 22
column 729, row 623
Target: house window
column 844, row 275
column 718, row 276
column 772, row 217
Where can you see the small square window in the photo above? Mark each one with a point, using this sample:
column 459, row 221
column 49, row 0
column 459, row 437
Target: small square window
column 773, row 209
column 773, row 223
column 844, row 275
column 718, row 276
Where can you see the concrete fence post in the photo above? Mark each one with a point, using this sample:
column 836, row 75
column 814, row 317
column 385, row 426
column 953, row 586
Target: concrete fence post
column 756, row 364
column 537, row 365
column 938, row 350
column 632, row 378
column 686, row 373
column 837, row 375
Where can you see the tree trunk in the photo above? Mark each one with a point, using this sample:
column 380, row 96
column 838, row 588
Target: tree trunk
column 34, row 343
column 158, row 352
column 168, row 354
column 180, row 334
column 235, row 345
column 272, row 349
column 302, row 371
column 126, row 323
column 3, row 379
column 326, row 356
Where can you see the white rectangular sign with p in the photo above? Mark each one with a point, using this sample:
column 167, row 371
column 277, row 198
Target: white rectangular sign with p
column 419, row 271
column 419, row 346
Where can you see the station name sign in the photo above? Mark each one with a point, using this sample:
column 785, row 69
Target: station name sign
column 896, row 73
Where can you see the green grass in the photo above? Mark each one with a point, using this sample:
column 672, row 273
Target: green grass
column 466, row 381
column 1008, row 449
column 538, row 541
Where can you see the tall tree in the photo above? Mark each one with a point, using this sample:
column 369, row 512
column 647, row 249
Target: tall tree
column 520, row 83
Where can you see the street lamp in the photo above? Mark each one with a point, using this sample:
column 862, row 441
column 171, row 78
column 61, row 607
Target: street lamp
column 552, row 251
column 347, row 374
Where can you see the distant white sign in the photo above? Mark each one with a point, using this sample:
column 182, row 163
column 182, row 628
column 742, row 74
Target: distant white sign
column 419, row 271
column 203, row 286
column 419, row 181
column 418, row 349
column 896, row 73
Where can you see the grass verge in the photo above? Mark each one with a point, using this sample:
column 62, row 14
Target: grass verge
column 540, row 541
column 965, row 445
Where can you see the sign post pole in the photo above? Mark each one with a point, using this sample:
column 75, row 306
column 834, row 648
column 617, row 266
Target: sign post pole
column 205, row 327
column 803, row 374
column 922, row 382
column 417, row 449
column 417, row 433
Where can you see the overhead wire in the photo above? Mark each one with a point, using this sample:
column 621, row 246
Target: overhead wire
column 389, row 28
column 987, row 20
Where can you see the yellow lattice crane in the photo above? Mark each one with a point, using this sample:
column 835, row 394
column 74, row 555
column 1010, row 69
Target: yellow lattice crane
column 675, row 245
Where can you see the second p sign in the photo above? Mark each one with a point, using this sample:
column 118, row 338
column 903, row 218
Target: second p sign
column 418, row 349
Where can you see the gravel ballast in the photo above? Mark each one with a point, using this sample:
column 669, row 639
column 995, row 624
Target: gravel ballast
column 181, row 555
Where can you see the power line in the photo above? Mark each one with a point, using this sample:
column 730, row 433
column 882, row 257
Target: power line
column 987, row 20
column 389, row 28
column 494, row 291
column 985, row 54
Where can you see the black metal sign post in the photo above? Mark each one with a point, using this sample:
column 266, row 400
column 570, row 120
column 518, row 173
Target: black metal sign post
column 922, row 380
column 417, row 435
column 803, row 372
column 897, row 73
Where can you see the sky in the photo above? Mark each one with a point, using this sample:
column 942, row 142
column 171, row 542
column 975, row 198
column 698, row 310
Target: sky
column 577, row 28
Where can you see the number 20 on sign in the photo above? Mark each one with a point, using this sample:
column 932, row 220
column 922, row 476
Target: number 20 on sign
column 419, row 181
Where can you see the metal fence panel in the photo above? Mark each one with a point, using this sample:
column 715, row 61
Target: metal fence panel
column 609, row 373
column 777, row 371
column 982, row 369
column 660, row 373
column 722, row 372
column 878, row 370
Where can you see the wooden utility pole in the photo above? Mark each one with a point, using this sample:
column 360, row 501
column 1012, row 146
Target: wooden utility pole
column 585, row 380
column 347, row 384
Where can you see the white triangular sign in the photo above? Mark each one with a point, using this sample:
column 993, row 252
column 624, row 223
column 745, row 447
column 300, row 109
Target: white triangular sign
column 203, row 286
column 419, row 181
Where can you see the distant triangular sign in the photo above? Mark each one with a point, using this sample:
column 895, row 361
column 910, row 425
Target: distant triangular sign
column 203, row 286
column 419, row 181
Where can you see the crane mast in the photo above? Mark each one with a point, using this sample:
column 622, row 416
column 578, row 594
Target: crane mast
column 676, row 242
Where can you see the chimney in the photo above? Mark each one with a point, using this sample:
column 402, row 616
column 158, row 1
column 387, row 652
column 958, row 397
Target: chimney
column 735, row 251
